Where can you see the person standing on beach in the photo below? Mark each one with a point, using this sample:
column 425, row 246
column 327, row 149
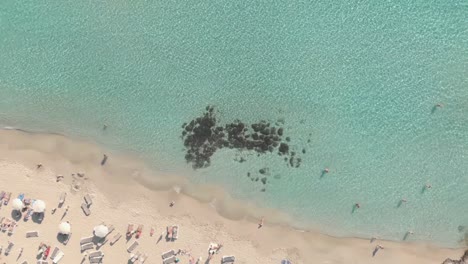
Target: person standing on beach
column 260, row 224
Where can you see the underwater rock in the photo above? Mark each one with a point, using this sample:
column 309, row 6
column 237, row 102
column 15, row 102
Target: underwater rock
column 204, row 135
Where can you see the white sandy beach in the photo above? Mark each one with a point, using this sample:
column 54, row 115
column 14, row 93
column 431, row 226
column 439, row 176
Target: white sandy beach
column 123, row 194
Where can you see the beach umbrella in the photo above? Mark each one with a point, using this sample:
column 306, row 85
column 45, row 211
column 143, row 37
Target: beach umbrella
column 64, row 228
column 285, row 261
column 38, row 206
column 101, row 231
column 17, row 204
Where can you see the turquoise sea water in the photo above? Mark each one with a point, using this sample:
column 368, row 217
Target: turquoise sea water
column 358, row 78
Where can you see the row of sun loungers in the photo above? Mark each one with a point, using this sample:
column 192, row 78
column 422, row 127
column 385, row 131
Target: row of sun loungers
column 169, row 257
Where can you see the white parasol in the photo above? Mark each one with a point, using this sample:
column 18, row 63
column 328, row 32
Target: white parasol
column 101, row 231
column 64, row 228
column 17, row 204
column 39, row 206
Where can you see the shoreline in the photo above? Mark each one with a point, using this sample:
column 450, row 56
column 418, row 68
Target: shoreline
column 63, row 155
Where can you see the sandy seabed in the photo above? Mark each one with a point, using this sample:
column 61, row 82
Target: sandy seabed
column 123, row 192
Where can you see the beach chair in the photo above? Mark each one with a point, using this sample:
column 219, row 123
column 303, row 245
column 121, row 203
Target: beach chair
column 32, row 234
column 25, row 262
column 28, row 214
column 12, row 227
column 143, row 258
column 115, row 238
column 87, row 246
column 228, row 260
column 86, row 240
column 96, row 260
column 134, row 257
column 175, row 232
column 9, row 247
column 102, row 242
column 6, row 198
column 95, row 254
column 168, row 254
column 62, row 198
column 59, row 257
column 133, row 246
column 129, row 230
column 2, row 194
column 5, row 224
column 169, row 260
column 139, row 231
column 54, row 253
column 88, row 200
column 85, row 209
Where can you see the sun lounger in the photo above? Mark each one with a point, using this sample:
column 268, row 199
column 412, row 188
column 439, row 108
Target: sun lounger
column 86, row 240
column 62, row 198
column 139, row 230
column 6, row 198
column 133, row 246
column 2, row 194
column 169, row 260
column 96, row 260
column 87, row 246
column 58, row 257
column 54, row 253
column 175, row 232
column 28, row 214
column 32, row 234
column 143, row 258
column 168, row 254
column 88, row 200
column 12, row 227
column 115, row 238
column 228, row 260
column 129, row 230
column 134, row 257
column 85, row 209
column 8, row 249
column 25, row 262
column 95, row 254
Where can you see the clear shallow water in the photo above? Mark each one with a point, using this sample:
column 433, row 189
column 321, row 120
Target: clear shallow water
column 360, row 78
